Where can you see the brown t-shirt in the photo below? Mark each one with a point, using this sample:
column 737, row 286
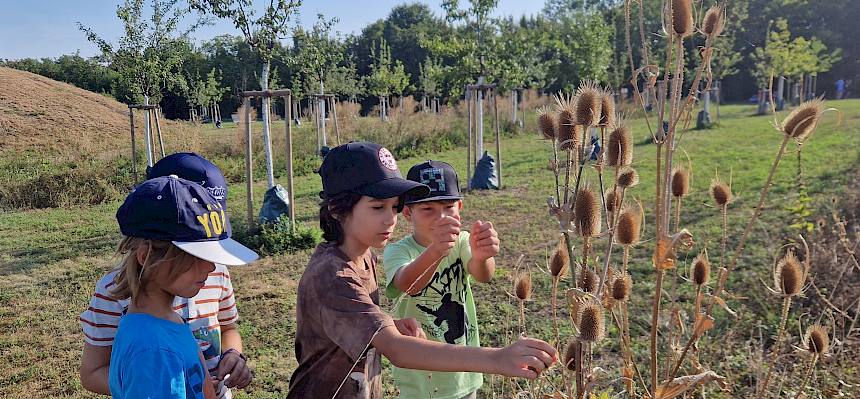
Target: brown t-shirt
column 337, row 315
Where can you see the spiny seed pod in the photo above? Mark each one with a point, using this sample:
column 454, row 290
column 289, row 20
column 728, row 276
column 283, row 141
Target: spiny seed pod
column 586, row 213
column 573, row 346
column 680, row 182
column 588, row 104
column 701, row 269
column 628, row 177
column 591, row 324
column 620, row 147
column 587, row 280
column 801, row 122
column 682, row 17
column 607, row 108
column 621, row 285
column 560, row 260
column 569, row 135
column 546, row 122
column 524, row 286
column 712, row 24
column 817, row 340
column 789, row 275
column 720, row 192
column 629, row 226
column 609, row 197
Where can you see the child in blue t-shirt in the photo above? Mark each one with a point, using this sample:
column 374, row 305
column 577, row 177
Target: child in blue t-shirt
column 174, row 231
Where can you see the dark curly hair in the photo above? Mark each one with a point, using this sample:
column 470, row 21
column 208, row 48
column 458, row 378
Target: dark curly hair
column 334, row 207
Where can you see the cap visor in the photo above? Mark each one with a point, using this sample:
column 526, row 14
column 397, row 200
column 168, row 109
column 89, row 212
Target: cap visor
column 226, row 252
column 437, row 198
column 394, row 187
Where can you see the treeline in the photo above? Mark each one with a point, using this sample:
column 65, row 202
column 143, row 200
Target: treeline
column 415, row 52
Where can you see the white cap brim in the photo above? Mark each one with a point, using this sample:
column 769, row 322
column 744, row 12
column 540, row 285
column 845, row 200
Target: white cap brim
column 226, row 252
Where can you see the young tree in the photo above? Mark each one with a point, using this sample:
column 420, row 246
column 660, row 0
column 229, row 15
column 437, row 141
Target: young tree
column 262, row 33
column 151, row 51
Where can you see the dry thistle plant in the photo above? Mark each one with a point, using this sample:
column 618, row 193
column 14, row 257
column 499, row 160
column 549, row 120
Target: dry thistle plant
column 789, row 278
column 558, row 265
column 817, row 343
column 722, row 195
column 680, row 189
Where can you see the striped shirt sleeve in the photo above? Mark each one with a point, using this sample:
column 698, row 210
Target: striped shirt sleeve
column 227, row 313
column 101, row 318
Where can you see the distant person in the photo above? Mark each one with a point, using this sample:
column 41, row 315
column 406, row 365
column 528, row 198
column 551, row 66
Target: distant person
column 211, row 314
column 172, row 236
column 840, row 89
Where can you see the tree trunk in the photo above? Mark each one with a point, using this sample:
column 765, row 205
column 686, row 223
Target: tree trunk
column 264, row 84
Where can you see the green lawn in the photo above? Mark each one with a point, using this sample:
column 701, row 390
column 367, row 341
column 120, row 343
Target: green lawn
column 50, row 259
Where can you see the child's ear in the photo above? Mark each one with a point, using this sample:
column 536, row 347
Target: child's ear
column 142, row 252
column 459, row 204
column 407, row 213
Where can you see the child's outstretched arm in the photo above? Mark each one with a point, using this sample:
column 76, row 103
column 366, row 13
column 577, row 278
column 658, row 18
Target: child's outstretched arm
column 413, row 277
column 526, row 358
column 484, row 242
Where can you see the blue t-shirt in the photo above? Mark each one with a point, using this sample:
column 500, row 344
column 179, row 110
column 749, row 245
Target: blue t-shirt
column 154, row 358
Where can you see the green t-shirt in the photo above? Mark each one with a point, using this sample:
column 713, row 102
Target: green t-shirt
column 446, row 311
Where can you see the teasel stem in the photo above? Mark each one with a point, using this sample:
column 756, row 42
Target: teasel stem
column 740, row 248
column 522, row 316
column 611, row 241
column 807, row 375
column 678, row 215
column 725, row 211
column 786, row 305
column 567, row 178
column 555, row 172
column 693, row 338
column 625, row 258
column 554, row 303
column 655, row 313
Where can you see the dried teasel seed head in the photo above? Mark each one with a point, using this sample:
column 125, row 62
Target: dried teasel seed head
column 586, row 213
column 587, row 280
column 546, row 122
column 628, row 177
column 570, row 354
column 587, row 105
column 629, row 226
column 621, row 285
column 701, row 269
column 560, row 260
column 682, row 17
column 607, row 108
column 609, row 197
column 524, row 286
column 680, row 182
column 713, row 22
column 619, row 151
column 817, row 340
column 789, row 275
column 569, row 134
column 591, row 323
column 720, row 192
column 801, row 122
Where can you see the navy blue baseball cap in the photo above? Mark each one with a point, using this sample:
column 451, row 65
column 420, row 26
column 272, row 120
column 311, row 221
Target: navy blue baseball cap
column 192, row 166
column 185, row 213
column 440, row 177
column 367, row 169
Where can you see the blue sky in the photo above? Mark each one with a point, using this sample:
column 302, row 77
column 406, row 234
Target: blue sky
column 48, row 28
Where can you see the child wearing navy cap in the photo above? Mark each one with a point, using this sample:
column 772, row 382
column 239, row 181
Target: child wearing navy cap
column 341, row 331
column 174, row 231
column 211, row 315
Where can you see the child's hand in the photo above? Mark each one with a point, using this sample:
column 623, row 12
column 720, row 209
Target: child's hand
column 484, row 241
column 526, row 358
column 446, row 230
column 410, row 328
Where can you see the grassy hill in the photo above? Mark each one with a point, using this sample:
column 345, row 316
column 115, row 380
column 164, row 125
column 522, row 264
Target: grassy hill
column 51, row 258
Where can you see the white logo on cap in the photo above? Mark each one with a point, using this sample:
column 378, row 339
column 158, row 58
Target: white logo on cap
column 386, row 159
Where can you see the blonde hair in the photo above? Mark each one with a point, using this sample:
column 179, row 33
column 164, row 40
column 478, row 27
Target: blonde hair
column 132, row 277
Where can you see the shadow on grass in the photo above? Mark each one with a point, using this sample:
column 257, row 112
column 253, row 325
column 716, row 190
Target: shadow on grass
column 32, row 258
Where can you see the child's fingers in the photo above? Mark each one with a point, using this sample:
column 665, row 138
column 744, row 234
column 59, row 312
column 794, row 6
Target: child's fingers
column 540, row 345
column 523, row 372
column 488, row 242
column 534, row 363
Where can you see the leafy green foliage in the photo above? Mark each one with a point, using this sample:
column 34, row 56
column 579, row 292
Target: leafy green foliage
column 277, row 237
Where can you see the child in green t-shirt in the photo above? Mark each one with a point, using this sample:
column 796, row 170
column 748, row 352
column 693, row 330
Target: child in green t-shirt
column 434, row 266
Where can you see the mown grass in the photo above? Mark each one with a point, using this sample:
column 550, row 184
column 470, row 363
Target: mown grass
column 50, row 259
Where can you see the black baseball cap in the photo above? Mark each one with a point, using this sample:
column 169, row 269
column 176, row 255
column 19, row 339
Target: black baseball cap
column 192, row 166
column 185, row 213
column 368, row 169
column 440, row 177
